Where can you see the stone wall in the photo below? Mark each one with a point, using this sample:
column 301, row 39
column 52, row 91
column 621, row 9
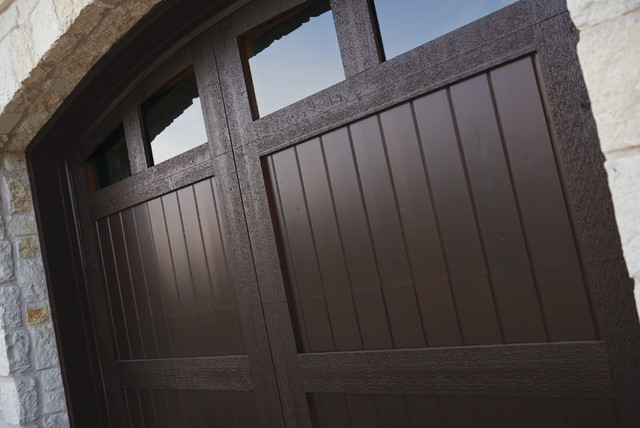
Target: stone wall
column 609, row 52
column 46, row 47
column 31, row 389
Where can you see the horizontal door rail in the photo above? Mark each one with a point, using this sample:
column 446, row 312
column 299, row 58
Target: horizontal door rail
column 230, row 373
column 568, row 369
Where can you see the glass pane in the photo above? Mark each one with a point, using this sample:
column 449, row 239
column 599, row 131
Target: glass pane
column 173, row 119
column 110, row 162
column 406, row 24
column 293, row 57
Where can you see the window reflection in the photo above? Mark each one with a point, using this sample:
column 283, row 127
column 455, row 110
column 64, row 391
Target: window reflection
column 110, row 162
column 406, row 24
column 173, row 119
column 292, row 57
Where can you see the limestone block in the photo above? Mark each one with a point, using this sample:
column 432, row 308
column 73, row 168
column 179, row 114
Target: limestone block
column 51, row 379
column 18, row 400
column 14, row 352
column 22, row 225
column 623, row 170
column 24, row 59
column 9, row 83
column 38, row 315
column 59, row 420
column 8, row 19
column 46, row 29
column 44, row 344
column 25, row 7
column 54, row 401
column 32, row 280
column 19, row 197
column 8, row 121
column 610, row 54
column 14, row 161
column 587, row 13
column 29, row 248
column 68, row 10
column 9, row 307
column 6, row 262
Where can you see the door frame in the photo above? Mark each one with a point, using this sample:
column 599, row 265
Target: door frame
column 524, row 28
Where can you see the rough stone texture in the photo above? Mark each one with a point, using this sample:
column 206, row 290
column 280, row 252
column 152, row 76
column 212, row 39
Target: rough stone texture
column 14, row 352
column 32, row 280
column 6, row 262
column 23, row 225
column 18, row 400
column 38, row 315
column 614, row 51
column 29, row 369
column 19, row 197
column 9, row 307
column 587, row 13
column 59, row 420
column 609, row 52
column 44, row 342
column 54, row 401
column 29, row 248
column 51, row 379
column 50, row 45
column 623, row 169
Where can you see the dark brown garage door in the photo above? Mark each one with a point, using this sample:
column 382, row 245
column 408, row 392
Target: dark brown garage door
column 425, row 243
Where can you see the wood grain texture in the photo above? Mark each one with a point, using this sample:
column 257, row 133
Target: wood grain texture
column 206, row 373
column 555, row 370
column 355, row 27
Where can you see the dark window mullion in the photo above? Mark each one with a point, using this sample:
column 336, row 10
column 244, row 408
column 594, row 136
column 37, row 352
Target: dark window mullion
column 355, row 26
column 136, row 145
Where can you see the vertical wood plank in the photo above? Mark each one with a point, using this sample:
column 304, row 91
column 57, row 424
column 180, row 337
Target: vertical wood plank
column 192, row 409
column 167, row 278
column 499, row 412
column 390, row 251
column 362, row 409
column 183, row 274
column 460, row 412
column 359, row 255
column 148, row 407
column 111, row 281
column 304, row 260
column 152, row 279
column 139, row 284
column 423, row 411
column 162, row 410
column 422, row 237
column 498, row 216
column 541, row 197
column 334, row 410
column 328, row 246
column 392, row 411
column 135, row 411
column 125, row 286
column 591, row 413
column 463, row 250
column 543, row 412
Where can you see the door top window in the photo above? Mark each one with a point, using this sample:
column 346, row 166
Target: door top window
column 291, row 57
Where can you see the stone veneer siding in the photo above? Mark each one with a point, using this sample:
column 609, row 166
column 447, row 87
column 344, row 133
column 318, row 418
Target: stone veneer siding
column 47, row 46
column 609, row 52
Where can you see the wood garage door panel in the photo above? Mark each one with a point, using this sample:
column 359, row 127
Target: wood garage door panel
column 190, row 409
column 405, row 411
column 428, row 225
column 167, row 279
